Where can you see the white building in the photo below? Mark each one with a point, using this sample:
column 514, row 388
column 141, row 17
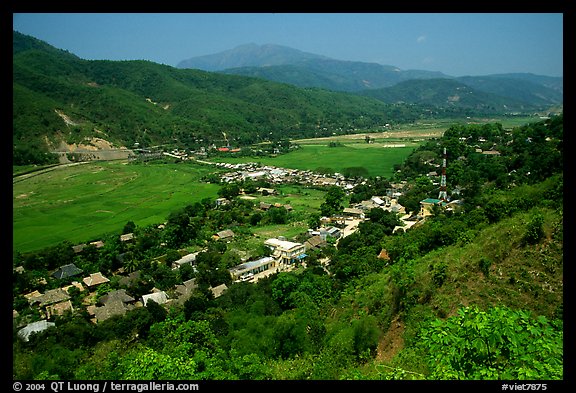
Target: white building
column 286, row 252
column 158, row 297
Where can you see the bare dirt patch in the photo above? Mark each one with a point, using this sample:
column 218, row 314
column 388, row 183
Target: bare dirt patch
column 22, row 196
column 392, row 342
column 90, row 150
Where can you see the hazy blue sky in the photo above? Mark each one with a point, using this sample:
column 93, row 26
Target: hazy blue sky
column 457, row 44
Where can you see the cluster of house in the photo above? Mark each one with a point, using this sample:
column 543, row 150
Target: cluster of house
column 283, row 255
column 276, row 175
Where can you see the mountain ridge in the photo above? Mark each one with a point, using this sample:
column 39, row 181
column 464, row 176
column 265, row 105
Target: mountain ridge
column 139, row 101
column 309, row 70
column 246, row 55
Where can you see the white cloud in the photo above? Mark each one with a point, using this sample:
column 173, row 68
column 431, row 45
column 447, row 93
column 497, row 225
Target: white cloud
column 428, row 60
column 421, row 39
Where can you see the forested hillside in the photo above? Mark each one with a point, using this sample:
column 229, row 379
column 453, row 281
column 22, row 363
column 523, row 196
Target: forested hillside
column 446, row 93
column 471, row 293
column 60, row 97
column 287, row 65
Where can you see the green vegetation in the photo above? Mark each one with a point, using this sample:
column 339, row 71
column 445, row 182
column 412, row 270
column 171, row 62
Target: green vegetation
column 153, row 189
column 471, row 292
column 496, row 344
column 452, row 96
column 59, row 97
column 446, row 98
column 80, row 203
column 474, row 293
column 376, row 161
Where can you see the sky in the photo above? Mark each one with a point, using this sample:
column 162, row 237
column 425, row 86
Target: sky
column 457, row 44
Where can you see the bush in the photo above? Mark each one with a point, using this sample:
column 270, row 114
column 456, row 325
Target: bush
column 534, row 229
column 484, row 265
column 499, row 343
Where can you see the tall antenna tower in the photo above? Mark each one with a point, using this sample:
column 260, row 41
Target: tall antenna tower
column 442, row 195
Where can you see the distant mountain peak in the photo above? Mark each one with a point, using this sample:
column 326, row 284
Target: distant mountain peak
column 248, row 55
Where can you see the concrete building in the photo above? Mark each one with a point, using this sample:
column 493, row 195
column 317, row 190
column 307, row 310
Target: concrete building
column 252, row 267
column 427, row 204
column 353, row 212
column 285, row 252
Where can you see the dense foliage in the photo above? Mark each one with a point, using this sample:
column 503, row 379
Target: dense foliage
column 447, row 97
column 441, row 93
column 496, row 344
column 58, row 97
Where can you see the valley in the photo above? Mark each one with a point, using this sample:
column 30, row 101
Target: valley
column 497, row 253
column 214, row 225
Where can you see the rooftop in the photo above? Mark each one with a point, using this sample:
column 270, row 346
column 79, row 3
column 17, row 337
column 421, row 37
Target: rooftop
column 252, row 264
column 283, row 244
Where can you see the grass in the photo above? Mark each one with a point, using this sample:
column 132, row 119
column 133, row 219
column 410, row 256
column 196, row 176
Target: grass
column 304, row 201
column 83, row 202
column 80, row 203
column 520, row 276
column 377, row 160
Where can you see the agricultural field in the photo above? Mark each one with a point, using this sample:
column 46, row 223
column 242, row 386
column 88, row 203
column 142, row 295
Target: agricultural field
column 377, row 158
column 386, row 148
column 304, row 201
column 81, row 202
column 378, row 161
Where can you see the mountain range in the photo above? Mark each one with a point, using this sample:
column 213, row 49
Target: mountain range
column 287, row 65
column 60, row 98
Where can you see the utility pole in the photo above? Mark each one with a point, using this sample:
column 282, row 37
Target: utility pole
column 442, row 195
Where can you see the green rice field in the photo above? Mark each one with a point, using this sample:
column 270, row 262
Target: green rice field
column 377, row 160
column 79, row 203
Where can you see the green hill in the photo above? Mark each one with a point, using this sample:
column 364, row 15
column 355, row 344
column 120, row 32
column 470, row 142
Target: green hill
column 60, row 97
column 495, row 270
column 286, row 65
column 446, row 93
column 534, row 89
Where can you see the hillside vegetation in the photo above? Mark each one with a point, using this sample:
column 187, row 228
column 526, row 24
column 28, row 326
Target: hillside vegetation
column 60, row 97
column 288, row 65
column 470, row 293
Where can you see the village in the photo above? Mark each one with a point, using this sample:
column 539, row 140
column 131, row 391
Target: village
column 284, row 255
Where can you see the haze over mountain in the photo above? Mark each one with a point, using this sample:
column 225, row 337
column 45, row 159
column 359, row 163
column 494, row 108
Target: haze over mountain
column 288, row 65
column 59, row 97
column 248, row 55
column 440, row 92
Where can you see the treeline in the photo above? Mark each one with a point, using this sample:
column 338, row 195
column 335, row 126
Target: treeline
column 481, row 156
column 139, row 101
